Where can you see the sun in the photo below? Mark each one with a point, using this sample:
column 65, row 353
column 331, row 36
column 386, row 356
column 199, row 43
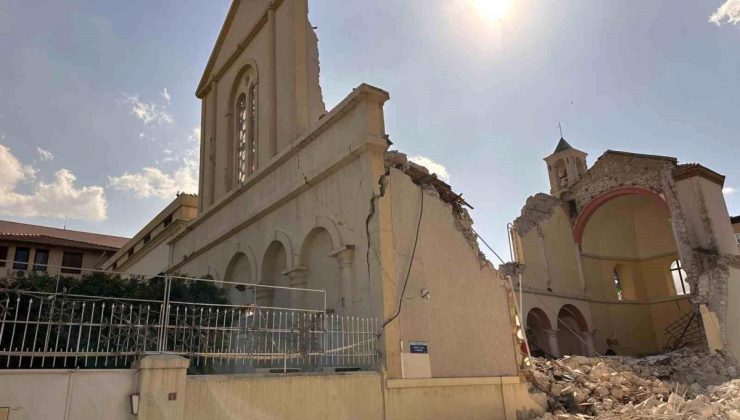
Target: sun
column 492, row 10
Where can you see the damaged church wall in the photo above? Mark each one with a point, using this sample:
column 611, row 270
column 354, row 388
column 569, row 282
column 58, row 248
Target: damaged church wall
column 467, row 309
column 322, row 181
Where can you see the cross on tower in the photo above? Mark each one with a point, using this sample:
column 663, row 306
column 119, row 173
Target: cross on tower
column 560, row 126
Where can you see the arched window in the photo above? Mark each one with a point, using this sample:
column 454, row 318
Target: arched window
column 242, row 134
column 562, row 173
column 679, row 278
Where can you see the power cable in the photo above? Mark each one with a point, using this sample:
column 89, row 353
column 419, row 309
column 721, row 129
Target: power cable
column 411, row 263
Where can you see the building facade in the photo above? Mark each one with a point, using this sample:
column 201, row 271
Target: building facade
column 28, row 248
column 633, row 255
column 295, row 196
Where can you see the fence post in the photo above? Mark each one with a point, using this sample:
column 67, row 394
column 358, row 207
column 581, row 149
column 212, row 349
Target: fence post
column 162, row 381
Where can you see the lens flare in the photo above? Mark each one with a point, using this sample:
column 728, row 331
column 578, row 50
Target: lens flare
column 492, row 10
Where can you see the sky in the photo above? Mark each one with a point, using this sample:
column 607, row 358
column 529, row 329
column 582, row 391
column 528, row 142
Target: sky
column 99, row 120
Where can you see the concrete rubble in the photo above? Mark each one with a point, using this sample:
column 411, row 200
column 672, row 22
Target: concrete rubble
column 684, row 384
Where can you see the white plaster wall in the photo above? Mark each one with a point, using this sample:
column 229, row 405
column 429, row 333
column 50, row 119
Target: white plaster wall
column 67, row 394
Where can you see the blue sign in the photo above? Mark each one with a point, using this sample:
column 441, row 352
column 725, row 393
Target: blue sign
column 418, row 347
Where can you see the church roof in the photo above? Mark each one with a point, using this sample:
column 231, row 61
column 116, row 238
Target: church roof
column 562, row 145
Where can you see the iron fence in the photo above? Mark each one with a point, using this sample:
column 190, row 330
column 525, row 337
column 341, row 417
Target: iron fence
column 221, row 327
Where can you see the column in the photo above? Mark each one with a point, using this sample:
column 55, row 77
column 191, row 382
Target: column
column 162, row 383
column 588, row 343
column 344, row 258
column 298, row 276
column 552, row 342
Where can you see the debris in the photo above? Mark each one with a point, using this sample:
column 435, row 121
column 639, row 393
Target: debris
column 684, row 384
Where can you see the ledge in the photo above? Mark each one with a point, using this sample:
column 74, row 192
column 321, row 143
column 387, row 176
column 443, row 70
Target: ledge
column 446, row 382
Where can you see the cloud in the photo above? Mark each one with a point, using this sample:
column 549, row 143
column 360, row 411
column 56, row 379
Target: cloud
column 729, row 12
column 148, row 112
column 44, row 155
column 154, row 182
column 166, row 95
column 434, row 167
column 59, row 198
column 728, row 191
column 195, row 135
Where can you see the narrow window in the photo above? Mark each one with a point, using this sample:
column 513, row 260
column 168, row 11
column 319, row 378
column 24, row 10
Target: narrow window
column 20, row 262
column 737, row 238
column 679, row 278
column 72, row 262
column 242, row 133
column 3, row 255
column 252, row 128
column 618, row 284
column 167, row 220
column 41, row 260
column 147, row 238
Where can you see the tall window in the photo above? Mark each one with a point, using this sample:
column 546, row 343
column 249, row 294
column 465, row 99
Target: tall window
column 242, row 133
column 679, row 278
column 252, row 128
column 41, row 260
column 20, row 262
column 618, row 284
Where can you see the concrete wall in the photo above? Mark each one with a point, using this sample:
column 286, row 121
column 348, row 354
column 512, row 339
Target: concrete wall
column 290, row 396
column 67, row 394
column 467, row 312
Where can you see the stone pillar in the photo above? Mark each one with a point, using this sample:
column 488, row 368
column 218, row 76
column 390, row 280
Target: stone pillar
column 344, row 258
column 552, row 342
column 588, row 343
column 298, row 276
column 162, row 383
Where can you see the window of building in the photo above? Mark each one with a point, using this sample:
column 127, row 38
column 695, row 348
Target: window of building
column 252, row 128
column 41, row 260
column 679, row 278
column 20, row 262
column 130, row 252
column 72, row 262
column 242, row 133
column 147, row 238
column 618, row 284
column 737, row 238
column 167, row 220
column 3, row 255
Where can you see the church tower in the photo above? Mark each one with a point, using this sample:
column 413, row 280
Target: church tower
column 565, row 166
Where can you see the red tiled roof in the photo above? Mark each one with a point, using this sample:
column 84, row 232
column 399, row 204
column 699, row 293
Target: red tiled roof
column 34, row 233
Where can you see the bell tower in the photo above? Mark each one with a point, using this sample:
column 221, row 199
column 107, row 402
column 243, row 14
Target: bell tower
column 565, row 166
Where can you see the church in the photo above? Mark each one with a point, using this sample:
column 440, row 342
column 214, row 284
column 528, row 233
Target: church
column 633, row 255
column 298, row 197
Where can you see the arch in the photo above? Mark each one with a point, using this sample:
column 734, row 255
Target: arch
column 284, row 239
column 537, row 324
column 576, row 314
column 323, row 271
column 328, row 225
column 274, row 265
column 583, row 217
column 572, row 327
column 241, row 269
column 538, row 315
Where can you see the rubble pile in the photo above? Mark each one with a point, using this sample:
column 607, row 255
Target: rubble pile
column 683, row 384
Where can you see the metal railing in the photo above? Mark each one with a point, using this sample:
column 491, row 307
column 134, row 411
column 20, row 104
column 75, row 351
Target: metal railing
column 220, row 326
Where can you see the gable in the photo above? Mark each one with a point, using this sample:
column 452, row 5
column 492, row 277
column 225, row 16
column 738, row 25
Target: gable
column 244, row 19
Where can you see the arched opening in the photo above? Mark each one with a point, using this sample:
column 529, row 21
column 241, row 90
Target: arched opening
column 627, row 242
column 323, row 270
column 274, row 264
column 561, row 173
column 537, row 324
column 571, row 325
column 678, row 275
column 239, row 270
column 580, row 166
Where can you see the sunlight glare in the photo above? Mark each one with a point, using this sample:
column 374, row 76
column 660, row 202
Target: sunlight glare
column 492, row 10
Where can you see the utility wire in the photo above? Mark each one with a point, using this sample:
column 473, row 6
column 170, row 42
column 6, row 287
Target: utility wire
column 487, row 246
column 411, row 263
